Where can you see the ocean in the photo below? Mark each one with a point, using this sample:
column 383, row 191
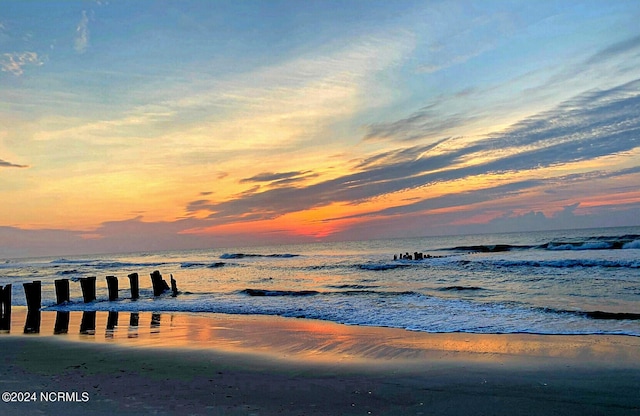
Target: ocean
column 558, row 282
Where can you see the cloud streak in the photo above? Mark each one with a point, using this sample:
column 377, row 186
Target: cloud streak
column 5, row 164
column 82, row 34
column 17, row 61
column 592, row 125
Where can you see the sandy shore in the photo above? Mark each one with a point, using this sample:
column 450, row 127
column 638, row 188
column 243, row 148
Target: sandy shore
column 256, row 365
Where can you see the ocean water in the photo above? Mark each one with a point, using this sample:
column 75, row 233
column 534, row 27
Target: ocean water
column 561, row 282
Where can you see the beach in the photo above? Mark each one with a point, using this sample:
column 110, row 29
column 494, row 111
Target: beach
column 262, row 365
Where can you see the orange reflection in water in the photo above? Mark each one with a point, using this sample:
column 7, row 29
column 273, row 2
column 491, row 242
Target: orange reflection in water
column 309, row 340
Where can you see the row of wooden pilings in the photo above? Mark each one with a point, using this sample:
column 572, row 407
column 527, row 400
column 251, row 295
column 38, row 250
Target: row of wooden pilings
column 33, row 292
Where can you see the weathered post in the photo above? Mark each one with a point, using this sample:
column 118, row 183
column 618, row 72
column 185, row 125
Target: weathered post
column 34, row 295
column 174, row 287
column 88, row 323
column 158, row 283
column 62, row 323
column 135, row 286
column 62, row 290
column 88, row 285
column 112, row 285
column 5, row 308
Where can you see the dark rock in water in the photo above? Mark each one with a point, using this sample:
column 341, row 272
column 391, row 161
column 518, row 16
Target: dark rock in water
column 461, row 288
column 264, row 292
column 613, row 316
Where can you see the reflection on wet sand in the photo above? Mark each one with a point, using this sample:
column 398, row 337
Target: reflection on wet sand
column 61, row 325
column 88, row 323
column 134, row 320
column 32, row 323
column 155, row 323
column 308, row 340
column 112, row 323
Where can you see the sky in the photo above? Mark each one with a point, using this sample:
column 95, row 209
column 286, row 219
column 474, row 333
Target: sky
column 158, row 125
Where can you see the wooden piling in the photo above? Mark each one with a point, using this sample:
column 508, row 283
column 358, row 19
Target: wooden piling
column 158, row 283
column 112, row 285
column 135, row 286
column 88, row 285
column 34, row 295
column 62, row 290
column 61, row 325
column 5, row 308
column 174, row 287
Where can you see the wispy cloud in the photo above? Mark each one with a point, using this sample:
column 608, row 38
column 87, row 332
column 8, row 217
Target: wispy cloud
column 424, row 123
column 281, row 178
column 593, row 125
column 5, row 164
column 627, row 46
column 454, row 45
column 82, row 33
column 16, row 61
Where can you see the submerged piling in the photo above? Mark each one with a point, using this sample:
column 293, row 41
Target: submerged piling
column 33, row 294
column 62, row 290
column 88, row 285
column 135, row 286
column 112, row 285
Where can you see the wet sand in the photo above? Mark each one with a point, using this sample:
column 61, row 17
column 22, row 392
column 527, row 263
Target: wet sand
column 257, row 365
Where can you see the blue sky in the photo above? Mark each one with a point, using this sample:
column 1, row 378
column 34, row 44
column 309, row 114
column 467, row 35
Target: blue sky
column 220, row 123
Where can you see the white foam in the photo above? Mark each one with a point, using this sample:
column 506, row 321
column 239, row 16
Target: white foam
column 632, row 245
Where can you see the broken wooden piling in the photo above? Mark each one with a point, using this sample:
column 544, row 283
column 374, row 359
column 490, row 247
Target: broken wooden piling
column 159, row 284
column 33, row 294
column 135, row 286
column 112, row 286
column 5, row 308
column 174, row 287
column 88, row 285
column 62, row 290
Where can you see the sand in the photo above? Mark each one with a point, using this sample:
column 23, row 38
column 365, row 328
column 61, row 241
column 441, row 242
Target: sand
column 257, row 365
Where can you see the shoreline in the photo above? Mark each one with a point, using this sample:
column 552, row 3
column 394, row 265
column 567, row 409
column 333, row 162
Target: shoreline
column 316, row 340
column 263, row 365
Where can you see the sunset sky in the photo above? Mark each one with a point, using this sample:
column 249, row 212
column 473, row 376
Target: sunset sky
column 149, row 125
